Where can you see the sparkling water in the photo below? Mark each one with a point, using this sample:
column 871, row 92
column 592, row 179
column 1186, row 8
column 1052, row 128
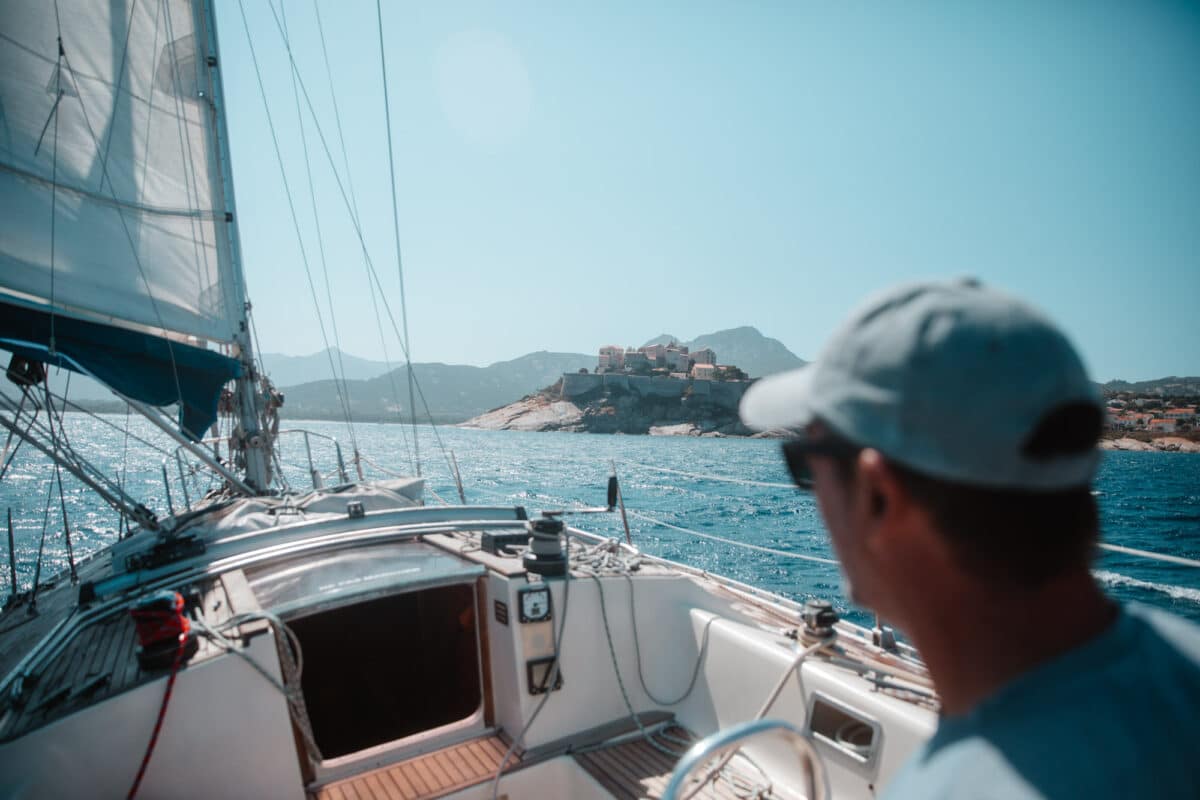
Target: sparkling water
column 1149, row 501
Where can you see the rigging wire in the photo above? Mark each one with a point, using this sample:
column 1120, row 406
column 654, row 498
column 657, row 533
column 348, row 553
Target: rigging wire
column 37, row 568
column 98, row 418
column 734, row 542
column 58, row 96
column 291, row 203
column 701, row 476
column 9, row 455
column 122, row 520
column 358, row 230
column 58, row 472
column 1116, row 548
column 339, row 374
column 82, row 469
column 387, row 110
column 337, row 118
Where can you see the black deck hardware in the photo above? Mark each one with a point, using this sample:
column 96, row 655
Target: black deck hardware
column 537, row 674
column 165, row 552
column 819, row 618
column 499, row 544
column 545, row 556
column 24, row 372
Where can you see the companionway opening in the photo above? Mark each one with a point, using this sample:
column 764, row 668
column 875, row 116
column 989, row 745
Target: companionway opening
column 388, row 668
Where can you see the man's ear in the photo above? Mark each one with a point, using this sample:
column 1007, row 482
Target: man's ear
column 879, row 493
column 896, row 524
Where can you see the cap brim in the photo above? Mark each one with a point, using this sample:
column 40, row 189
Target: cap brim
column 780, row 401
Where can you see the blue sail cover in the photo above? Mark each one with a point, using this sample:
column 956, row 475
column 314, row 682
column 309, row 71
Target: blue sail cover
column 141, row 366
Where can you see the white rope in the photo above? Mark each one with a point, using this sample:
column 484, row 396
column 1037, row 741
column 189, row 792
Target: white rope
column 606, row 560
column 734, row 542
column 291, row 663
column 1116, row 548
column 718, row 478
column 792, row 668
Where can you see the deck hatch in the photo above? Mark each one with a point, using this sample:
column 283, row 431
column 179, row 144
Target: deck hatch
column 313, row 584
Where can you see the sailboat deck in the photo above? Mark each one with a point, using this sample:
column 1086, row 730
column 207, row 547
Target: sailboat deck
column 633, row 769
column 100, row 661
column 430, row 775
column 636, row 769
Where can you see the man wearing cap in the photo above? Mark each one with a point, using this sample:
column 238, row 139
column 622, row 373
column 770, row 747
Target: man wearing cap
column 949, row 432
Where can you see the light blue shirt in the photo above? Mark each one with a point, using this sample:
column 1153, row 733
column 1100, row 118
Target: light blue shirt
column 1118, row 717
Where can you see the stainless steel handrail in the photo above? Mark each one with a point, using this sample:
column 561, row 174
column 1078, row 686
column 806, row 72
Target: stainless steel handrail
column 731, row 739
column 314, row 474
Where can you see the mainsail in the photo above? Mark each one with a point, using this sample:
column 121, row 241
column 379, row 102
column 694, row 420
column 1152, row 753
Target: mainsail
column 116, row 255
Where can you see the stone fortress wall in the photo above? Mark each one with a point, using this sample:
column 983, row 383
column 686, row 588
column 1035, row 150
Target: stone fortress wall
column 723, row 394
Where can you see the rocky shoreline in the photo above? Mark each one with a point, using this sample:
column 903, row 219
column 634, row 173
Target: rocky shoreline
column 645, row 413
column 614, row 412
column 1162, row 444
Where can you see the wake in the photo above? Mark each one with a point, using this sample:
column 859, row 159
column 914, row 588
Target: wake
column 1176, row 592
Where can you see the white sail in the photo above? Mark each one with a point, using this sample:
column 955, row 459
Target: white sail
column 111, row 201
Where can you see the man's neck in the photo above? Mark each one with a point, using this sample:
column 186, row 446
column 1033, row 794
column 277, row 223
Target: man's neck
column 976, row 639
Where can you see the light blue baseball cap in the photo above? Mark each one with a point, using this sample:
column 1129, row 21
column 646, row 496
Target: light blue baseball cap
column 951, row 379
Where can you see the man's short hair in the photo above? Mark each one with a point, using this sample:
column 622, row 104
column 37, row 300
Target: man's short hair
column 1005, row 536
column 1008, row 536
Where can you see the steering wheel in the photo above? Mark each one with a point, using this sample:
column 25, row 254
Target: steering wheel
column 727, row 742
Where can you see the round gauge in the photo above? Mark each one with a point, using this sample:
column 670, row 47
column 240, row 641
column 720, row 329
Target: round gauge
column 534, row 603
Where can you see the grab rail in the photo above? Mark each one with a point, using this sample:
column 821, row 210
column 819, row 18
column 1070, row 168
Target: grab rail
column 312, row 470
column 730, row 741
column 318, row 482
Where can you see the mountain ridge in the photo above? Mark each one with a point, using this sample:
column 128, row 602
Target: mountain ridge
column 744, row 346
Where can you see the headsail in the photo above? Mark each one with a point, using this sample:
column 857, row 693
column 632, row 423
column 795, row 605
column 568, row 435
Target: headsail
column 113, row 223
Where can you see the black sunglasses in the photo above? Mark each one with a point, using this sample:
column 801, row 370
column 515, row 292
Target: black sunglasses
column 796, row 452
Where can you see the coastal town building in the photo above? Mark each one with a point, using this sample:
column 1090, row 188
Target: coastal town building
column 670, row 360
column 1150, row 415
column 637, row 361
column 677, row 359
column 1129, row 422
column 612, row 359
column 657, row 353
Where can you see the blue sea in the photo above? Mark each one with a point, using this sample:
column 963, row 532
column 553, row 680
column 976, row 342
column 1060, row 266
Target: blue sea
column 1148, row 501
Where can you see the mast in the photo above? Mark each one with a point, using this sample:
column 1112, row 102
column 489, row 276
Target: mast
column 254, row 442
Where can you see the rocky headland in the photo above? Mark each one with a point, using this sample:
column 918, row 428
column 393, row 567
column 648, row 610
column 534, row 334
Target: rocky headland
column 655, row 408
column 1161, row 444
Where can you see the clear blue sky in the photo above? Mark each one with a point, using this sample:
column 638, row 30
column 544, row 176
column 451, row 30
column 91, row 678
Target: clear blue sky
column 572, row 175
